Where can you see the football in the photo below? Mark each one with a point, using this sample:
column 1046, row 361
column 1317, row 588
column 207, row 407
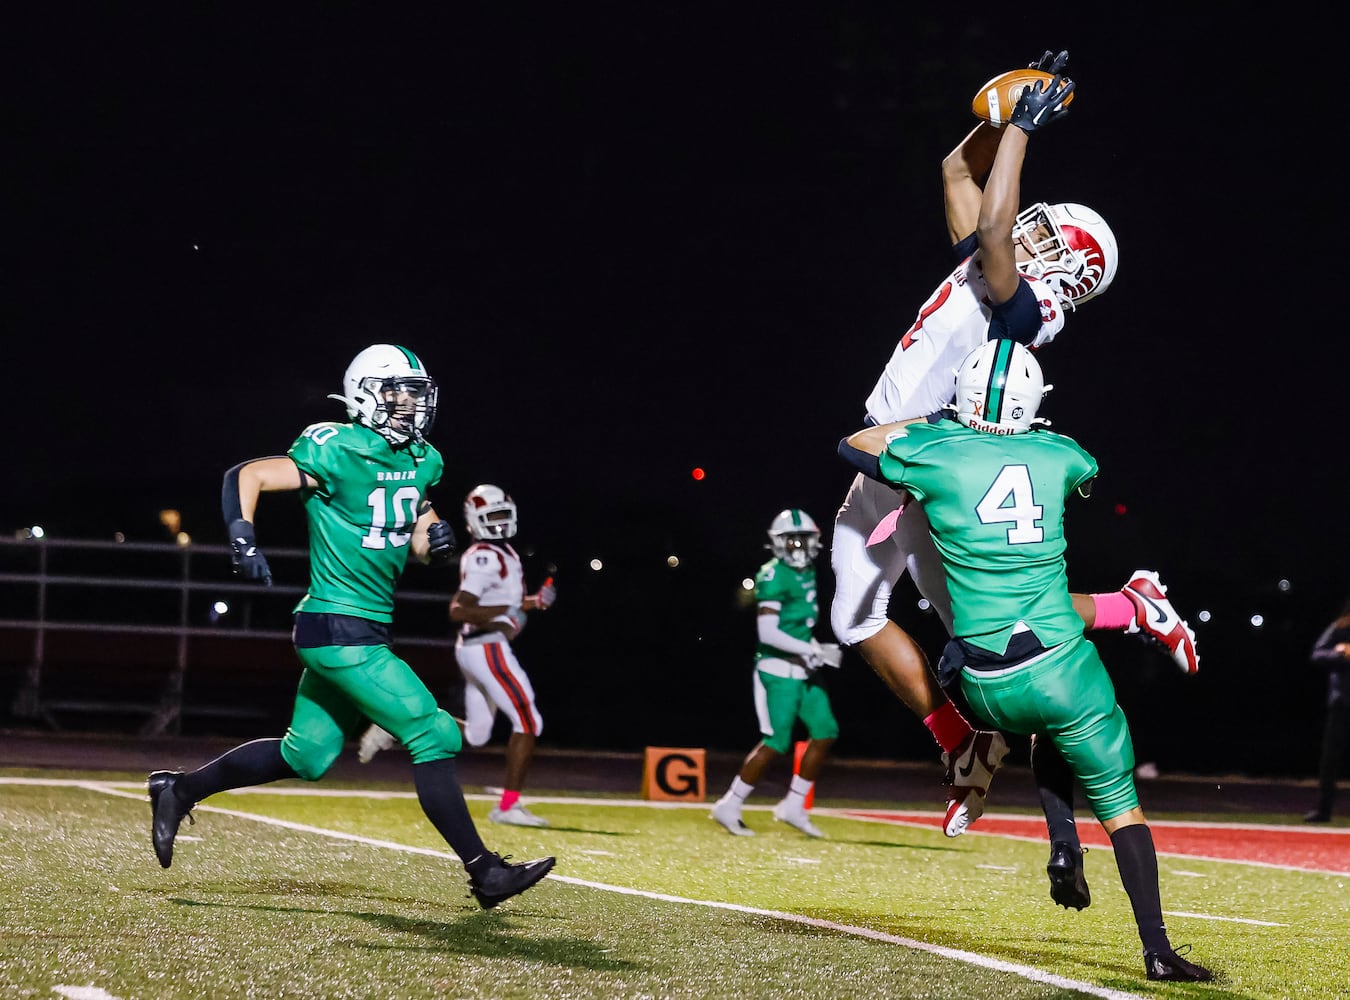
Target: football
column 995, row 101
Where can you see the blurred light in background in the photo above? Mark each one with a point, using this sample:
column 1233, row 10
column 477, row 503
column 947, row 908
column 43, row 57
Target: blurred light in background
column 672, row 561
column 1258, row 620
column 597, row 565
column 698, row 474
column 747, row 584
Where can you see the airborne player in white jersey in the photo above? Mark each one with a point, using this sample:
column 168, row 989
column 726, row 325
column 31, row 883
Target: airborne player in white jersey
column 1018, row 275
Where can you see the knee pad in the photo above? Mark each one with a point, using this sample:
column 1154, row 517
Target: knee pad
column 850, row 633
column 778, row 742
column 477, row 735
column 307, row 758
column 434, row 737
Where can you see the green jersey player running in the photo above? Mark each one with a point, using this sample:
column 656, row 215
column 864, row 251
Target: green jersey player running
column 364, row 486
column 994, row 487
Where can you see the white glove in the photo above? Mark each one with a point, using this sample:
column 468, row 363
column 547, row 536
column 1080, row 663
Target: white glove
column 827, row 653
column 546, row 595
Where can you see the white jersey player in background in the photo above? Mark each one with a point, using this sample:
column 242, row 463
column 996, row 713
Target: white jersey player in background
column 490, row 608
column 1060, row 256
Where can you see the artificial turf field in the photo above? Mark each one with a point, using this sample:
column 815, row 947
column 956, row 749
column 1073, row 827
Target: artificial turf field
column 322, row 891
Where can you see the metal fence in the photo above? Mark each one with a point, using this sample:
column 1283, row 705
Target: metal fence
column 161, row 606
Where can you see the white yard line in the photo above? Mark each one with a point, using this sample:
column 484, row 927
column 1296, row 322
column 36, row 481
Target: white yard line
column 136, row 791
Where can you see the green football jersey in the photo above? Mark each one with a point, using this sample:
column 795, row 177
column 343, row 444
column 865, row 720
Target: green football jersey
column 995, row 506
column 361, row 515
column 795, row 592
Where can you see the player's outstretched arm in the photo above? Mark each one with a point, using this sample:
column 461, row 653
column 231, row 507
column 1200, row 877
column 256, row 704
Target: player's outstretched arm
column 963, row 172
column 998, row 213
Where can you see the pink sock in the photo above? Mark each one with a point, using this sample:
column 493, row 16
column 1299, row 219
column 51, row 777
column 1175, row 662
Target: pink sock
column 509, row 798
column 947, row 726
column 1114, row 611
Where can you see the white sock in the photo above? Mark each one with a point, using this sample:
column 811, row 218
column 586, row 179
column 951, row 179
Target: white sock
column 798, row 791
column 739, row 790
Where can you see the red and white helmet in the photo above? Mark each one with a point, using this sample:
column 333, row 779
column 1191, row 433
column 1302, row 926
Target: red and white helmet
column 1073, row 250
column 489, row 513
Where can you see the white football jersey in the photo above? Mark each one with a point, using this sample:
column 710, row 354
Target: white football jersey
column 492, row 572
column 920, row 377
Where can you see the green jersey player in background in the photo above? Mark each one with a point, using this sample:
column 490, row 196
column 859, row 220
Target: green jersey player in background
column 788, row 685
column 994, row 487
column 364, row 486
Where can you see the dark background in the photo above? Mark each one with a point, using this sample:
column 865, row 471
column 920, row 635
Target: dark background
column 632, row 240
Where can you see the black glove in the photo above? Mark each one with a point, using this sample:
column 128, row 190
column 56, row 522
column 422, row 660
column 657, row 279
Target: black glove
column 1041, row 104
column 1051, row 63
column 441, row 543
column 248, row 560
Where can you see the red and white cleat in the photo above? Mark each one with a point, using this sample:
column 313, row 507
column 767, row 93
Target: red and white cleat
column 1157, row 620
column 969, row 770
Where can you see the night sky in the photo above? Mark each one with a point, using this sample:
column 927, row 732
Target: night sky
column 635, row 239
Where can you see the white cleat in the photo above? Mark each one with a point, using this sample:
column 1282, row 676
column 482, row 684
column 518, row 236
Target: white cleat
column 799, row 818
column 1157, row 620
column 517, row 815
column 970, row 770
column 373, row 740
column 727, row 812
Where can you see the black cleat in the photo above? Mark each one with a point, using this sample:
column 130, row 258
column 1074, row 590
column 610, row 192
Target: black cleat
column 1318, row 816
column 504, row 880
column 1068, row 884
column 1170, row 967
column 168, row 811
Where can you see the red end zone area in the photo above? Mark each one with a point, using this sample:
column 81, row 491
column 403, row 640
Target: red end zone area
column 1320, row 850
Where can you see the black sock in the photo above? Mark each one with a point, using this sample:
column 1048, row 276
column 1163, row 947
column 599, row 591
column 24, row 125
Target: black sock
column 1138, row 864
column 254, row 763
column 1054, row 782
column 442, row 799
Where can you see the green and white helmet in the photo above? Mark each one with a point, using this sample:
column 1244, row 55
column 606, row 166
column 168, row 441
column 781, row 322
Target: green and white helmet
column 387, row 389
column 999, row 387
column 794, row 538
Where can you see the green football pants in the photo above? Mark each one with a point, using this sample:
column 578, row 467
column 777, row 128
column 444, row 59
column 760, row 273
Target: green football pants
column 342, row 685
column 1066, row 694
